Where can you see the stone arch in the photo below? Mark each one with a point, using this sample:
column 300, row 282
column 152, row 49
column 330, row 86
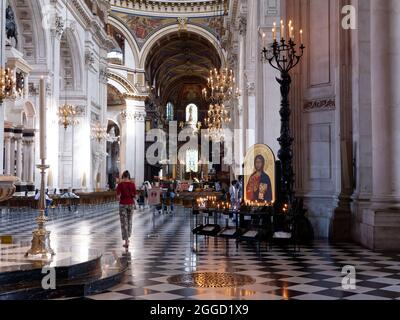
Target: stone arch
column 32, row 37
column 71, row 61
column 169, row 30
column 128, row 36
column 28, row 115
column 121, row 84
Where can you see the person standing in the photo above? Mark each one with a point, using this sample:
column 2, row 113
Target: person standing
column 126, row 192
column 233, row 193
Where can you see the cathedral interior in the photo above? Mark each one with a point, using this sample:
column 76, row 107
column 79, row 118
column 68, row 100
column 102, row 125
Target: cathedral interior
column 261, row 137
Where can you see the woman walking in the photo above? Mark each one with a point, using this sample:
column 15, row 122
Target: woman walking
column 126, row 192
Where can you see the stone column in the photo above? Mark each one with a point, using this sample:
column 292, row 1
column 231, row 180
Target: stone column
column 252, row 59
column 53, row 99
column 28, row 164
column 3, row 6
column 7, row 153
column 19, row 157
column 31, row 161
column 12, row 156
column 381, row 223
column 133, row 138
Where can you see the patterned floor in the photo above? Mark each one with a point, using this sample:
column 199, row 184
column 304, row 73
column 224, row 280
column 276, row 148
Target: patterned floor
column 162, row 245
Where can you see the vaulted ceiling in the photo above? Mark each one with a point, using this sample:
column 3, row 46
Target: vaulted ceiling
column 180, row 60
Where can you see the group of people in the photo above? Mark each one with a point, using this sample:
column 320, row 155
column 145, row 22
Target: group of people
column 127, row 195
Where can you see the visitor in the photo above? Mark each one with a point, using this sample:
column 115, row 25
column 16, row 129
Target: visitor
column 171, row 193
column 126, row 192
column 239, row 187
column 48, row 201
column 146, row 188
column 233, row 193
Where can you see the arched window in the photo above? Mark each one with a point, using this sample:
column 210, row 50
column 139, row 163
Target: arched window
column 192, row 115
column 170, row 112
column 192, row 160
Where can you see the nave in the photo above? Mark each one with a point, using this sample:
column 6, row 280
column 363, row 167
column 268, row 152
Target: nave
column 162, row 246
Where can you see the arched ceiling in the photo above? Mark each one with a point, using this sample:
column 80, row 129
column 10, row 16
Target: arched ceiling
column 178, row 60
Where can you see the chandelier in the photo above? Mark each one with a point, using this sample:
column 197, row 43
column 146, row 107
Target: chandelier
column 218, row 115
column 221, row 85
column 67, row 113
column 99, row 132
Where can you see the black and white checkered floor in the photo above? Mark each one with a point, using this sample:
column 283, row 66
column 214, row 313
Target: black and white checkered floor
column 162, row 246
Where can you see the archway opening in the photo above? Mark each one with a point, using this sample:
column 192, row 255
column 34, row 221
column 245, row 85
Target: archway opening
column 177, row 67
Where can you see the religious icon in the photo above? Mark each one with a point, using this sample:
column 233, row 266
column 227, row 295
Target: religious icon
column 259, row 174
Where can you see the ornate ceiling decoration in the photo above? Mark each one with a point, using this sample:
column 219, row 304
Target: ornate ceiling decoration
column 178, row 60
column 143, row 27
column 172, row 7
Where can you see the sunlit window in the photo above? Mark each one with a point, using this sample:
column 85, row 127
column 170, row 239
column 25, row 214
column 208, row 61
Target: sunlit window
column 192, row 113
column 170, row 112
column 192, row 161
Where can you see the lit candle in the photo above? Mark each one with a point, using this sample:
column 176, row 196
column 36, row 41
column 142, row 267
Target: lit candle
column 264, row 39
column 282, row 30
column 274, row 31
column 301, row 36
column 42, row 105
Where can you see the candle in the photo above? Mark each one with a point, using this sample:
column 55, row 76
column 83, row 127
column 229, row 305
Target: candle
column 290, row 29
column 274, row 31
column 301, row 36
column 282, row 30
column 42, row 105
column 264, row 39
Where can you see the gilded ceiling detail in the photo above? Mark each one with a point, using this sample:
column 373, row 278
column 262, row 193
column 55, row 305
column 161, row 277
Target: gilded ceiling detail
column 142, row 27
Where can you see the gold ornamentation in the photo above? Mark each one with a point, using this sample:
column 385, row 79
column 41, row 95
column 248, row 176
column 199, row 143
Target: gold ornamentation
column 99, row 132
column 67, row 114
column 211, row 280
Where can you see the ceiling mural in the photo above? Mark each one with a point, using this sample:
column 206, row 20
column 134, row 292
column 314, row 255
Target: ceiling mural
column 114, row 97
column 142, row 27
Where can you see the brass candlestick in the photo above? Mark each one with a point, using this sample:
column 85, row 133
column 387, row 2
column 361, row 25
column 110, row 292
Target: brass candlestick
column 41, row 237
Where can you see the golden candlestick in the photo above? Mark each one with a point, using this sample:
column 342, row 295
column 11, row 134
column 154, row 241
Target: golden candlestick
column 41, row 237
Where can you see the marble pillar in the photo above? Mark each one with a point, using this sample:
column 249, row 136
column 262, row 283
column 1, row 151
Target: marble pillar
column 7, row 154
column 53, row 103
column 12, row 156
column 133, row 139
column 28, row 161
column 32, row 163
column 19, row 157
column 3, row 5
column 380, row 226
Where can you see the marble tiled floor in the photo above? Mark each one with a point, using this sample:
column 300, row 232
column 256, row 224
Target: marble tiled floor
column 162, row 245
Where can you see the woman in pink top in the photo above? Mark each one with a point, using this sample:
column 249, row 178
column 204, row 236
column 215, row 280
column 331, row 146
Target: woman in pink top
column 126, row 192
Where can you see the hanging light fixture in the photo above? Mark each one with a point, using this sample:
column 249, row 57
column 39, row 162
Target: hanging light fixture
column 221, row 85
column 67, row 112
column 11, row 87
column 220, row 90
column 99, row 132
column 218, row 115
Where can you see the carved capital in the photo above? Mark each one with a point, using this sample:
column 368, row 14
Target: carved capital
column 57, row 28
column 133, row 115
column 242, row 25
column 89, row 58
column 251, row 88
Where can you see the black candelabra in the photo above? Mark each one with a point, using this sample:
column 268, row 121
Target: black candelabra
column 282, row 56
